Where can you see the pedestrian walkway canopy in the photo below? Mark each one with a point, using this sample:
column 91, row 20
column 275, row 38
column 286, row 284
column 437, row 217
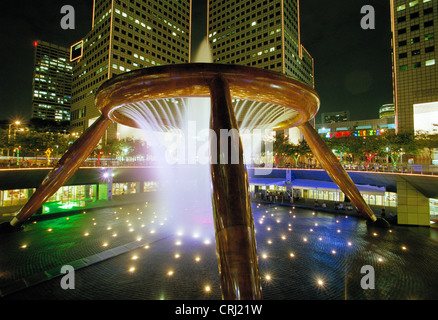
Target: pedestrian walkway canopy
column 311, row 184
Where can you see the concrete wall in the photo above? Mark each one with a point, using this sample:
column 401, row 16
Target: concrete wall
column 413, row 206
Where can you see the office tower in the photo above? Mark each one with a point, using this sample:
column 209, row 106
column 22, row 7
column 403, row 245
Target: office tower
column 126, row 35
column 338, row 116
column 51, row 82
column 387, row 111
column 259, row 33
column 414, row 56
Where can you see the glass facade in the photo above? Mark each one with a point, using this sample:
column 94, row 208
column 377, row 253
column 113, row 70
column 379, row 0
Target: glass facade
column 68, row 197
column 15, row 197
column 387, row 199
column 127, row 35
column 52, row 82
column 414, row 55
column 259, row 33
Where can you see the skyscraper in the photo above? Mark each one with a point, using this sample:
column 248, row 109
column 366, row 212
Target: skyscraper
column 414, row 56
column 126, row 35
column 259, row 33
column 51, row 82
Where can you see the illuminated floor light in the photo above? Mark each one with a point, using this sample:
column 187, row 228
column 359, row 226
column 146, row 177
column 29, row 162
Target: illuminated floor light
column 177, row 256
column 132, row 269
column 146, row 247
column 264, row 256
column 207, row 288
column 268, row 277
column 105, row 244
column 134, row 257
column 24, row 246
column 291, row 255
column 320, row 282
column 170, row 273
column 86, row 234
column 197, row 259
column 49, row 230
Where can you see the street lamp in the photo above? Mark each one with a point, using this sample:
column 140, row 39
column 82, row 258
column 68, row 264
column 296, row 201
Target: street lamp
column 16, row 123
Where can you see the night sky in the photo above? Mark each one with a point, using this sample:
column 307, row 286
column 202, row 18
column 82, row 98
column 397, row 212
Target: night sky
column 352, row 65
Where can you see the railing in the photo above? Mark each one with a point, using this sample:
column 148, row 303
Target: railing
column 30, row 162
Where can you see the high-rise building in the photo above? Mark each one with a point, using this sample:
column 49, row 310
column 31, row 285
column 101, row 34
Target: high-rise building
column 52, row 82
column 338, row 116
column 259, row 33
column 126, row 35
column 387, row 111
column 414, row 56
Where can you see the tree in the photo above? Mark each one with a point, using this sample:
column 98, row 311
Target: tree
column 395, row 145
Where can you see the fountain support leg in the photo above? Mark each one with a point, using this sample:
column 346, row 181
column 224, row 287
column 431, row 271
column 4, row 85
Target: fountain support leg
column 338, row 174
column 234, row 225
column 64, row 169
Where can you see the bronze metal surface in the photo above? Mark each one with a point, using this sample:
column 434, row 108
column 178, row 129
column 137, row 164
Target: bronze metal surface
column 335, row 170
column 234, row 226
column 192, row 80
column 64, row 169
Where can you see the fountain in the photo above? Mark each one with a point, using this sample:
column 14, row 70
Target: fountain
column 263, row 99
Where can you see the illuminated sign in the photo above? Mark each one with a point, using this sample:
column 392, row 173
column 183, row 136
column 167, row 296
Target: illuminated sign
column 76, row 50
column 426, row 118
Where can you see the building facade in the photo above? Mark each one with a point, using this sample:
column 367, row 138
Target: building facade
column 259, row 33
column 360, row 128
column 338, row 116
column 387, row 111
column 414, row 56
column 52, row 81
column 126, row 35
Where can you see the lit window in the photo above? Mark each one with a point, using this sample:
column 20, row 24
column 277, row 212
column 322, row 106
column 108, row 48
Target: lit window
column 413, row 3
column 402, row 7
column 429, row 36
column 416, row 65
column 430, row 62
column 403, row 67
